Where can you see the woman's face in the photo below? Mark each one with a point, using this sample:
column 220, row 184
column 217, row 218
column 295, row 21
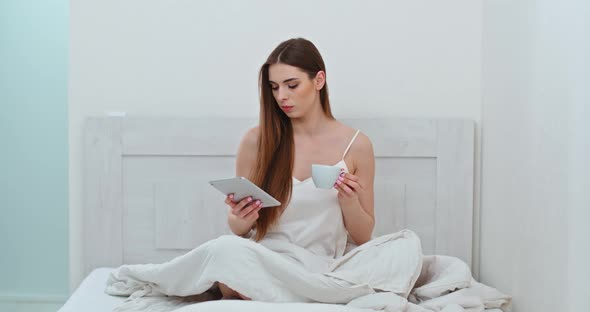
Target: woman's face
column 294, row 92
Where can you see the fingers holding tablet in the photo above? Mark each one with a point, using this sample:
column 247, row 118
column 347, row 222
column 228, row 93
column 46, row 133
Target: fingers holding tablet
column 247, row 208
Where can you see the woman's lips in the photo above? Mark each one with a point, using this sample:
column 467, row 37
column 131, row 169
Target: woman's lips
column 287, row 108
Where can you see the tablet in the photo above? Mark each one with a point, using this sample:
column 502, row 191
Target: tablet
column 241, row 188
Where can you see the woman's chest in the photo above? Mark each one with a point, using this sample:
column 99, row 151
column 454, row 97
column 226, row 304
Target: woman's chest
column 310, row 203
column 307, row 154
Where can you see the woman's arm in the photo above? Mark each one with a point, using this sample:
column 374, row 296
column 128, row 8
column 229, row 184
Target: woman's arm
column 355, row 192
column 245, row 161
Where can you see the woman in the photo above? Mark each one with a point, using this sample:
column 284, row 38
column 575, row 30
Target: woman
column 296, row 130
column 296, row 252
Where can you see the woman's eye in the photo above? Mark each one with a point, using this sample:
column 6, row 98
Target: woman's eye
column 290, row 87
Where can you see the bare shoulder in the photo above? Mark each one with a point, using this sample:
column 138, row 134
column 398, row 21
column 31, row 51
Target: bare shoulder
column 362, row 146
column 247, row 152
column 250, row 138
column 363, row 158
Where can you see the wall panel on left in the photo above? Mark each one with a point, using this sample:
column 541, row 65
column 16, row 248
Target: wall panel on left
column 33, row 154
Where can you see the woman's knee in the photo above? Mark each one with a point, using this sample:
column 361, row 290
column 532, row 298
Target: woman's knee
column 230, row 240
column 230, row 244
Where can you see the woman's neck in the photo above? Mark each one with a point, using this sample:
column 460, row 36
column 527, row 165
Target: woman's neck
column 313, row 124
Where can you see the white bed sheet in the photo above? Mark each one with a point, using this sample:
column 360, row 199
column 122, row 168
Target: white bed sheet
column 90, row 297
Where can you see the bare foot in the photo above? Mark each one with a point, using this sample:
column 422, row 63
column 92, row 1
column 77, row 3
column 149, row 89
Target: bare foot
column 228, row 293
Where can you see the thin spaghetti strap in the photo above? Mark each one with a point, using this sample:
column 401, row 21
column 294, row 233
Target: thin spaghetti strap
column 350, row 144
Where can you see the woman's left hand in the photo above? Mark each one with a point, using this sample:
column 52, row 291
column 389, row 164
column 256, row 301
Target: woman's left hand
column 348, row 187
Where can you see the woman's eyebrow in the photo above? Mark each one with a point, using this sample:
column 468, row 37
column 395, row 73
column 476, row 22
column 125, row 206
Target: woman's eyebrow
column 287, row 80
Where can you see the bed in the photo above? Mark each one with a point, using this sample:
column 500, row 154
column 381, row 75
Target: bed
column 147, row 197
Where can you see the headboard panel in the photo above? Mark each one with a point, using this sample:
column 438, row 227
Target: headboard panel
column 147, row 197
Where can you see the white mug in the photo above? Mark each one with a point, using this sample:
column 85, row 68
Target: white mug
column 324, row 176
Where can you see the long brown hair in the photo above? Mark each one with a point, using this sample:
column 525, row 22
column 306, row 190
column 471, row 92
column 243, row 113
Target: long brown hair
column 276, row 150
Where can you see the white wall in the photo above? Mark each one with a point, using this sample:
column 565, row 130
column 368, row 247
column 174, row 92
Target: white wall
column 579, row 153
column 201, row 58
column 534, row 145
column 579, row 199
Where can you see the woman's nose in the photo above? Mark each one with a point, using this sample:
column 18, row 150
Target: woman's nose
column 282, row 94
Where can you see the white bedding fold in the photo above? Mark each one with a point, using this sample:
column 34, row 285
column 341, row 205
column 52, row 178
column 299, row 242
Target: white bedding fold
column 378, row 275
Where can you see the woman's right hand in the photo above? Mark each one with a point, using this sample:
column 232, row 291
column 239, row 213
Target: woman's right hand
column 246, row 209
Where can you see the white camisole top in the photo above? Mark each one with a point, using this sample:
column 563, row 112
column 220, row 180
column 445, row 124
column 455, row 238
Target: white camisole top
column 311, row 229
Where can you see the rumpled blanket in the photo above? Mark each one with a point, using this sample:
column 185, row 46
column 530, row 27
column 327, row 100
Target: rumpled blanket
column 388, row 273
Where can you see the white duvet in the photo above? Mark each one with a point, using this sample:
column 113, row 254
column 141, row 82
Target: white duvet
column 389, row 273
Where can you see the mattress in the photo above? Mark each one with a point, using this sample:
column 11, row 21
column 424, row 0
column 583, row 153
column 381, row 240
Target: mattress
column 90, row 295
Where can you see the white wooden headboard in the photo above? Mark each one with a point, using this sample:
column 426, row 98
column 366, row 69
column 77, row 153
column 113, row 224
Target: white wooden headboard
column 147, row 197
